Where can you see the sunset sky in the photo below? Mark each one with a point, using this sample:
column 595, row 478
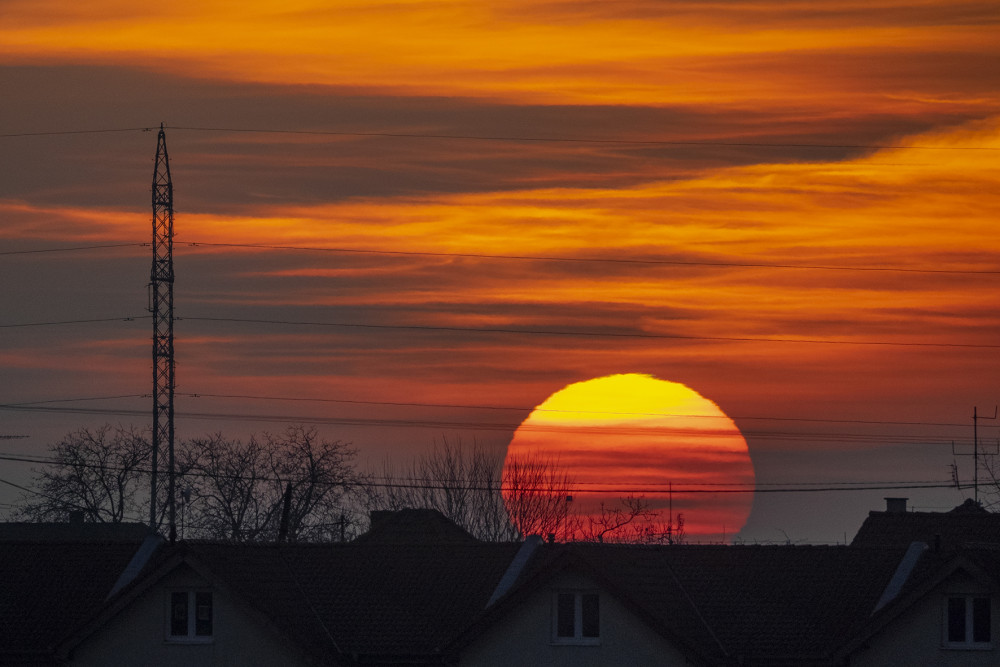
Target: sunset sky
column 409, row 221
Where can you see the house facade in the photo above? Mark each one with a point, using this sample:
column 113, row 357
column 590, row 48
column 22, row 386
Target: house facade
column 181, row 619
column 570, row 621
column 418, row 591
column 947, row 615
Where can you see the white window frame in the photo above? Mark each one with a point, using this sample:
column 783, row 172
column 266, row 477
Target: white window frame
column 191, row 636
column 968, row 643
column 577, row 639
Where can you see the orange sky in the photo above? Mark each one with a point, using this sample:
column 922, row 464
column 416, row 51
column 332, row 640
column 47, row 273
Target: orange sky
column 729, row 150
column 730, row 53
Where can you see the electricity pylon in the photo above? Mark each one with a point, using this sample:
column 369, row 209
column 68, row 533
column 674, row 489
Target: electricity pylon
column 161, row 305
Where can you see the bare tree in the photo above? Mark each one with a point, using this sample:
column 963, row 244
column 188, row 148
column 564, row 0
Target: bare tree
column 323, row 482
column 461, row 483
column 230, row 495
column 102, row 472
column 234, row 490
column 536, row 492
column 237, row 489
column 498, row 499
column 227, row 489
column 630, row 520
column 475, row 488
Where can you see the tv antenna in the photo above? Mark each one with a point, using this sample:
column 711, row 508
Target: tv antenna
column 975, row 445
column 975, row 449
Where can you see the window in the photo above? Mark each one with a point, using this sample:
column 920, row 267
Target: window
column 576, row 618
column 190, row 616
column 968, row 622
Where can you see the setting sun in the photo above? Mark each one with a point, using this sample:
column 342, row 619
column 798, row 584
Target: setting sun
column 634, row 435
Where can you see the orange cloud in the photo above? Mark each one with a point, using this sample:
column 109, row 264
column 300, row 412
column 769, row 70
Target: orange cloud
column 931, row 207
column 757, row 54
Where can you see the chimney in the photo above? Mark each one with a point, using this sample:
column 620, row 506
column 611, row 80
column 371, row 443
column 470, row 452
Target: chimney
column 895, row 505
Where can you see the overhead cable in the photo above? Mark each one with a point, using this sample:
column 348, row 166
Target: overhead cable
column 607, row 260
column 511, row 138
column 586, row 334
column 525, row 258
column 676, row 489
column 503, row 408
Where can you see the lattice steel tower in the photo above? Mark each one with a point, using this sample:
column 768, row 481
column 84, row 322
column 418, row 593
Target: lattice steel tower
column 161, row 304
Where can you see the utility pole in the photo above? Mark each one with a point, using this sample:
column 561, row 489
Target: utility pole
column 161, row 305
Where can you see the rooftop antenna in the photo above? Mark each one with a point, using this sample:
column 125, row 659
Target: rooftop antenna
column 161, row 305
column 975, row 446
column 976, row 454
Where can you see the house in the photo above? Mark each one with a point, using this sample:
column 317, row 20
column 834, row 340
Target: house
column 388, row 599
column 944, row 613
column 942, row 609
column 967, row 525
column 418, row 590
column 681, row 604
column 55, row 576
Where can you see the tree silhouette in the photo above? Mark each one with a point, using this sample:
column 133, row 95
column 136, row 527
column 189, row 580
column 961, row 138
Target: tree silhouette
column 227, row 489
column 236, row 490
column 103, row 473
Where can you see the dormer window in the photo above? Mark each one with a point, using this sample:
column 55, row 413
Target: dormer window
column 576, row 617
column 968, row 622
column 190, row 616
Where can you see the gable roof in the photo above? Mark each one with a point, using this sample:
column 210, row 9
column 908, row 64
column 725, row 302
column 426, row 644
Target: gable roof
column 684, row 631
column 790, row 604
column 368, row 603
column 786, row 604
column 933, row 569
column 374, row 601
column 51, row 586
column 966, row 525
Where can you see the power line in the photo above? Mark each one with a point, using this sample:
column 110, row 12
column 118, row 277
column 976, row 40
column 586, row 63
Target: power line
column 435, row 484
column 527, row 332
column 578, row 140
column 54, row 133
column 39, row 251
column 529, row 258
column 587, row 334
column 510, row 138
column 506, row 427
column 59, row 501
column 77, row 400
column 512, row 408
column 607, row 260
column 127, row 318
column 503, row 408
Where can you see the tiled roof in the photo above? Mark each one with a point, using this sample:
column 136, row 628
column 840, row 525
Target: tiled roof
column 76, row 532
column 405, row 595
column 51, row 586
column 414, row 525
column 966, row 525
column 933, row 568
column 724, row 603
column 371, row 600
column 787, row 603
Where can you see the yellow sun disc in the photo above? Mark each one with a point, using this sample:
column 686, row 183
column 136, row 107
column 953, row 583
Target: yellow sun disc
column 635, row 436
